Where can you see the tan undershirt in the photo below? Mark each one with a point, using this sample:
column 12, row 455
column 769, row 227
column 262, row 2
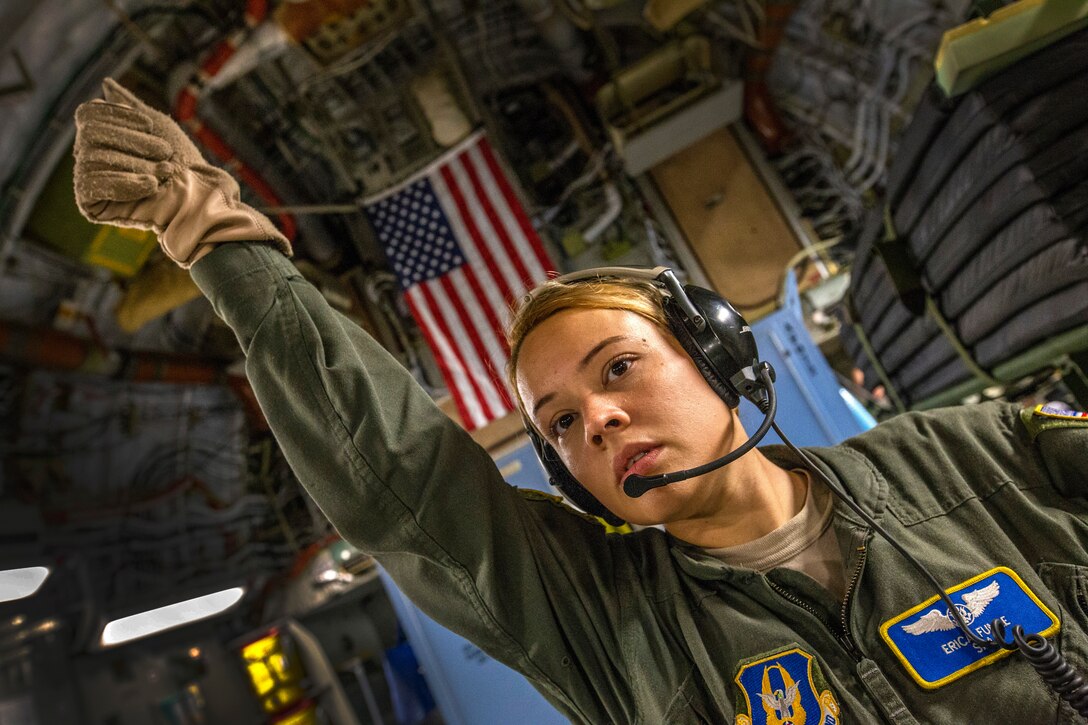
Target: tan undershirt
column 806, row 543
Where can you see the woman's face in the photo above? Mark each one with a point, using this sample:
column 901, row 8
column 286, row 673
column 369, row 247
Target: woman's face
column 615, row 395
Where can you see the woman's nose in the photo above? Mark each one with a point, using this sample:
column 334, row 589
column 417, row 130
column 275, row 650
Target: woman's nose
column 603, row 418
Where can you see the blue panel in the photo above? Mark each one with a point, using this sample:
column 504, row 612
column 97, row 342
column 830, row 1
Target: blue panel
column 470, row 687
column 522, row 468
column 813, row 408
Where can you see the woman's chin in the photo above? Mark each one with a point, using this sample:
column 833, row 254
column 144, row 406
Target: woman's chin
column 653, row 508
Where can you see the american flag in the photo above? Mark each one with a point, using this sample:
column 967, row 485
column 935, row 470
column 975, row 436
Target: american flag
column 462, row 248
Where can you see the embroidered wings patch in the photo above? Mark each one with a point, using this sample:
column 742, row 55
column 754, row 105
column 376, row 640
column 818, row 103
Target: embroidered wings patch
column 929, row 644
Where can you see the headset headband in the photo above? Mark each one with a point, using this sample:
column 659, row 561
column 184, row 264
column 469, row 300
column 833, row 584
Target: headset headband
column 661, row 275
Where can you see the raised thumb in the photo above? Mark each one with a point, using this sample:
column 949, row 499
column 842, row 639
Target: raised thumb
column 114, row 92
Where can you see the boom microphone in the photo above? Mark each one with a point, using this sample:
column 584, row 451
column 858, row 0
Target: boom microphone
column 634, row 486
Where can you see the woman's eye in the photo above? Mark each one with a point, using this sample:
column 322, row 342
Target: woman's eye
column 618, row 368
column 562, row 423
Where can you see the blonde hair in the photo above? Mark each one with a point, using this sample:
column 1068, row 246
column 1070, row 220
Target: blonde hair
column 602, row 293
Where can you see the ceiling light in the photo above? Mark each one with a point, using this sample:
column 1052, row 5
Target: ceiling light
column 19, row 583
column 170, row 616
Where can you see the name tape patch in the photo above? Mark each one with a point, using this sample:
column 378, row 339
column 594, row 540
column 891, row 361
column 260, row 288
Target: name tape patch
column 784, row 688
column 934, row 650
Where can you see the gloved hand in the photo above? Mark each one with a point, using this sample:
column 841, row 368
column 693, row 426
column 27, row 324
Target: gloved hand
column 135, row 167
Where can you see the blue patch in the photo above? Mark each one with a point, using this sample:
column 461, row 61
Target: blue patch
column 784, row 688
column 931, row 646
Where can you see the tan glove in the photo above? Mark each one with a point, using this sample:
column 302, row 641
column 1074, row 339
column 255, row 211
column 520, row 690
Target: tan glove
column 135, row 167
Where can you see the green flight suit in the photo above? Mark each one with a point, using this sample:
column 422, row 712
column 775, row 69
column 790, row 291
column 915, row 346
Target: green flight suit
column 643, row 628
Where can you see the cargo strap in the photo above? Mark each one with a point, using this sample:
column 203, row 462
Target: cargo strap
column 870, row 353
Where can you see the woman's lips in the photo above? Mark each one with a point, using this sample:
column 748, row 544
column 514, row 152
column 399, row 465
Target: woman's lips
column 643, row 465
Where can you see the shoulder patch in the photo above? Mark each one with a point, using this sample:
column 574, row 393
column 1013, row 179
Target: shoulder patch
column 533, row 494
column 929, row 644
column 1052, row 415
column 784, row 687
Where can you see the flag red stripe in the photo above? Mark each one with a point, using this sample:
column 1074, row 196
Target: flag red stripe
column 473, row 333
column 479, row 242
column 515, row 206
column 492, row 291
column 520, row 244
column 508, row 243
column 451, row 383
column 461, row 314
column 495, row 368
column 485, row 305
column 444, row 330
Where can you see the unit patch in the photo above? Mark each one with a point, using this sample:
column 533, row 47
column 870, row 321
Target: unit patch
column 1052, row 415
column 785, row 687
column 928, row 642
column 1059, row 410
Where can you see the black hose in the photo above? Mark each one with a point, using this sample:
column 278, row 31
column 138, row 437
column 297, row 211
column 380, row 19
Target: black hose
column 1048, row 662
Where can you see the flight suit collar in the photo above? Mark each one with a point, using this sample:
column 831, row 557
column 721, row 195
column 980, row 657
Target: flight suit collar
column 854, row 473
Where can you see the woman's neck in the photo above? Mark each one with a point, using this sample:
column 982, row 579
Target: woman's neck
column 751, row 500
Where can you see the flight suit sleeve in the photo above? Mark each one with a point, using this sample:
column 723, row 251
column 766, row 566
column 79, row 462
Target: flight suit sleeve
column 1061, row 437
column 529, row 581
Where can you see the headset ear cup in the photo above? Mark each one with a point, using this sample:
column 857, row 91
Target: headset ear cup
column 698, row 355
column 567, row 484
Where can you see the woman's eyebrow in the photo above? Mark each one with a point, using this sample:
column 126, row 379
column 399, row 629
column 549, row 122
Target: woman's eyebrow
column 581, row 365
column 598, row 347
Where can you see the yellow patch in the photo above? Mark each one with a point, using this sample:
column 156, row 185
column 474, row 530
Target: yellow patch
column 1051, row 415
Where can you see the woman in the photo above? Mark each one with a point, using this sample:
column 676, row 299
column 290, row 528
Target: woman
column 760, row 598
column 633, row 403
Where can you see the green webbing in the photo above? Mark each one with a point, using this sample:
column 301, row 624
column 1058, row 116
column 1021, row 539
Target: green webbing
column 1048, row 353
column 867, row 347
column 957, row 345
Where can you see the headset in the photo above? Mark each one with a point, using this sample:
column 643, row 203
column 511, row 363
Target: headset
column 723, row 348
